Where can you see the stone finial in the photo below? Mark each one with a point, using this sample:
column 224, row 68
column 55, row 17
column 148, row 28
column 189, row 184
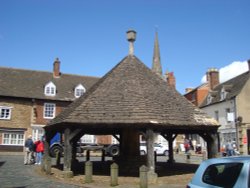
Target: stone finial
column 131, row 36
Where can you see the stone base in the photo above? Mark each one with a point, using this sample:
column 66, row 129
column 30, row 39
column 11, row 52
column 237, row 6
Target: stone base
column 67, row 174
column 152, row 177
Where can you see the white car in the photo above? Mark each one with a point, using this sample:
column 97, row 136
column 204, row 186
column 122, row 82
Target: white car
column 158, row 148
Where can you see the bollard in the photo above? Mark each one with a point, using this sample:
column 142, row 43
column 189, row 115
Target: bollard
column 114, row 174
column 143, row 176
column 88, row 172
column 43, row 163
column 48, row 166
column 204, row 155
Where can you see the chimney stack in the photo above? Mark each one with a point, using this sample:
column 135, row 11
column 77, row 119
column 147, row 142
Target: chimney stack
column 170, row 79
column 56, row 71
column 213, row 78
column 131, row 36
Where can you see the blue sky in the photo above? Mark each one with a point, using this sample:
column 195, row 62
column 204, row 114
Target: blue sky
column 89, row 36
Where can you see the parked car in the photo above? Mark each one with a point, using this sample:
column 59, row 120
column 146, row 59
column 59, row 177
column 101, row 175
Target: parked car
column 222, row 172
column 158, row 148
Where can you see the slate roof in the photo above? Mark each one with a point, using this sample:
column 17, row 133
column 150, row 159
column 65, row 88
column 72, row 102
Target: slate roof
column 132, row 95
column 235, row 84
column 30, row 84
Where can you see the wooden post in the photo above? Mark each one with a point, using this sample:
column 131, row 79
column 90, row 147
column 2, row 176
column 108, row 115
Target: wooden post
column 58, row 158
column 150, row 150
column 170, row 138
column 46, row 160
column 143, row 176
column 67, row 151
column 212, row 146
column 87, row 155
column 88, row 172
column 152, row 176
column 114, row 174
column 103, row 155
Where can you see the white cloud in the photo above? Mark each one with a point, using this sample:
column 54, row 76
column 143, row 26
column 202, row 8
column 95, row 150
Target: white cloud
column 230, row 71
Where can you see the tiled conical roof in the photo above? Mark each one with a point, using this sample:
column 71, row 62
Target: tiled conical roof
column 132, row 95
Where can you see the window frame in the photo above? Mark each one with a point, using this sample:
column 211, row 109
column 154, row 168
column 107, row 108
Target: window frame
column 46, row 110
column 16, row 139
column 5, row 108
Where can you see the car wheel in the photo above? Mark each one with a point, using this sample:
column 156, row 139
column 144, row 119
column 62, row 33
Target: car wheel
column 165, row 153
column 114, row 150
column 55, row 149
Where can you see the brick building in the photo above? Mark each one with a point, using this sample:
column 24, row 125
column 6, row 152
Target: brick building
column 29, row 99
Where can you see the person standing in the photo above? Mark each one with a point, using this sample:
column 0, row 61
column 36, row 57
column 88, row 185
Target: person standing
column 186, row 145
column 39, row 151
column 28, row 150
column 230, row 149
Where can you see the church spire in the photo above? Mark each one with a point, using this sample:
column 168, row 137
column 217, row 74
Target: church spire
column 156, row 67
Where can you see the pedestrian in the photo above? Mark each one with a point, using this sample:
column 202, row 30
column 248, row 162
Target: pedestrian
column 39, row 151
column 230, row 149
column 186, row 145
column 28, row 150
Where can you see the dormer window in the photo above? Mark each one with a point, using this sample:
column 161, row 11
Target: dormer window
column 223, row 94
column 79, row 90
column 224, row 91
column 211, row 95
column 50, row 89
column 209, row 98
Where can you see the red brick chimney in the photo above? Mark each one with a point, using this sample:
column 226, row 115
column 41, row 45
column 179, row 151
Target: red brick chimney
column 171, row 79
column 212, row 78
column 56, row 71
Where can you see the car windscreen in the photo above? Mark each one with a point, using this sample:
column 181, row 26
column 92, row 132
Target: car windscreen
column 222, row 174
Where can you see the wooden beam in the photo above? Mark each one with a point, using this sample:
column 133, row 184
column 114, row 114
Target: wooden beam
column 67, row 150
column 170, row 138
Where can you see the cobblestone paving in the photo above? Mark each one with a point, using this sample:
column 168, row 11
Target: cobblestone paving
column 14, row 174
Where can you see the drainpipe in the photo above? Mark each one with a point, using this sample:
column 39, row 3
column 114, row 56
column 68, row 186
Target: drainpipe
column 235, row 123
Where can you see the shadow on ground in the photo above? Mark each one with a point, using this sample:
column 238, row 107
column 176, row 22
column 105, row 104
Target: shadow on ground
column 128, row 170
